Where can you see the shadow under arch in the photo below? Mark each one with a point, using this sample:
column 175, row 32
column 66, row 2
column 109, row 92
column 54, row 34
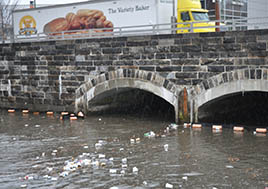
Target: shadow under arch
column 127, row 78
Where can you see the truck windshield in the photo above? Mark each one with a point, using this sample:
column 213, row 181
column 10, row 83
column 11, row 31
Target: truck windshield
column 200, row 16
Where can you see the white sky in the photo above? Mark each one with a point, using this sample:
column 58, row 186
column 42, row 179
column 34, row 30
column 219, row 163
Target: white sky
column 27, row 2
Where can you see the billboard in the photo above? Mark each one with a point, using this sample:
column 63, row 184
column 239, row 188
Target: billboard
column 85, row 15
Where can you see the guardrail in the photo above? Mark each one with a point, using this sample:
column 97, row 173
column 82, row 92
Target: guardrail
column 155, row 29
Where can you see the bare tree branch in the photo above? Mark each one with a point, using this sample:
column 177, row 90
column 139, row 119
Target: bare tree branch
column 6, row 9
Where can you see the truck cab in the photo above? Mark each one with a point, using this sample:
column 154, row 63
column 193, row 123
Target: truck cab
column 189, row 12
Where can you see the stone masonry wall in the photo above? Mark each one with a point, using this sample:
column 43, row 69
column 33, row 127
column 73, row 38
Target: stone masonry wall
column 44, row 75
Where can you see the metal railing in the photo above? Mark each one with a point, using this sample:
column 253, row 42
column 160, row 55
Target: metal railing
column 154, row 29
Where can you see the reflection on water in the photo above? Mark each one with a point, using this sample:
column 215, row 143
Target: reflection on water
column 35, row 149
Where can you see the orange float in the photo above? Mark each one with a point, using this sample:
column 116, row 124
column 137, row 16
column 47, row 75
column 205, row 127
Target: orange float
column 217, row 127
column 196, row 126
column 11, row 111
column 261, row 130
column 73, row 118
column 187, row 125
column 25, row 111
column 50, row 113
column 239, row 129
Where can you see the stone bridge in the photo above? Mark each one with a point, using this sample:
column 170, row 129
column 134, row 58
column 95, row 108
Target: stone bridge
column 186, row 70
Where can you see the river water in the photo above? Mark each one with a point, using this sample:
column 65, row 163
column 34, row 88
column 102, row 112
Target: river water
column 35, row 150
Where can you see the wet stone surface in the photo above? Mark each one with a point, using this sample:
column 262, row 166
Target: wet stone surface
column 38, row 151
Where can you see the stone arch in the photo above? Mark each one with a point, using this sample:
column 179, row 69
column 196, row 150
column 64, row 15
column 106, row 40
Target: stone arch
column 243, row 80
column 127, row 78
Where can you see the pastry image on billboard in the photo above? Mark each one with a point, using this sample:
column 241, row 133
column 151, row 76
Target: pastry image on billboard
column 84, row 19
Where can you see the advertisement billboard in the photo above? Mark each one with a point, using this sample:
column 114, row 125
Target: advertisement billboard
column 85, row 15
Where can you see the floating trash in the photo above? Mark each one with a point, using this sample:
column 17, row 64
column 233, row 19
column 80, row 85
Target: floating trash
column 173, row 126
column 124, row 160
column 112, row 171
column 64, row 174
column 101, row 156
column 150, row 134
column 54, row 178
column 23, row 186
column 166, row 147
column 132, row 141
column 135, row 170
column 49, row 169
column 185, row 178
column 168, row 185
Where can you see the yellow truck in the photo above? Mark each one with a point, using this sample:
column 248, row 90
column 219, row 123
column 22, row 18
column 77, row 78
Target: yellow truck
column 94, row 15
column 192, row 17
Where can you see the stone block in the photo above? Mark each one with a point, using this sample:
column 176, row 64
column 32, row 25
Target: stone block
column 216, row 68
column 186, row 75
column 256, row 46
column 168, row 68
column 259, row 74
column 229, row 39
column 225, row 77
column 252, row 73
column 111, row 50
column 191, row 48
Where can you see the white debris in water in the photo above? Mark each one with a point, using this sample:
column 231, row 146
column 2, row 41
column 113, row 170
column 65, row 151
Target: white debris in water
column 101, row 156
column 99, row 119
column 54, row 178
column 43, row 154
column 55, row 151
column 229, row 166
column 135, row 170
column 37, row 126
column 49, row 169
column 132, row 141
column 112, row 171
column 124, row 160
column 23, row 186
column 166, row 147
column 85, row 147
column 168, row 185
column 64, row 174
column 185, row 178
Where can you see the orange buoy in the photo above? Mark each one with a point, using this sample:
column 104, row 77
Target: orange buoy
column 187, row 125
column 64, row 113
column 73, row 118
column 217, row 127
column 50, row 113
column 11, row 111
column 239, row 129
column 196, row 126
column 25, row 111
column 261, row 130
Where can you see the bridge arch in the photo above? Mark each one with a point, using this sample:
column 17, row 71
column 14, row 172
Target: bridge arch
column 227, row 83
column 127, row 78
